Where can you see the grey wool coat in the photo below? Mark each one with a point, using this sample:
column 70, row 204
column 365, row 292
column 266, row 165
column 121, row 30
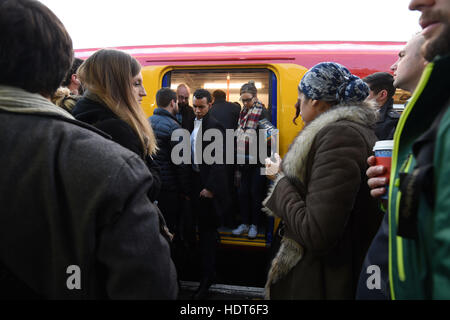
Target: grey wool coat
column 323, row 200
column 74, row 205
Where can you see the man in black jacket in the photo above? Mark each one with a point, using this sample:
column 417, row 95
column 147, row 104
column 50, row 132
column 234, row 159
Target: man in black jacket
column 227, row 114
column 75, row 218
column 382, row 90
column 185, row 114
column 175, row 178
column 209, row 185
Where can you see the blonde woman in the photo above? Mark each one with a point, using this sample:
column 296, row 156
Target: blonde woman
column 114, row 91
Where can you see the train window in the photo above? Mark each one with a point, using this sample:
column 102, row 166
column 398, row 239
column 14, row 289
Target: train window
column 228, row 80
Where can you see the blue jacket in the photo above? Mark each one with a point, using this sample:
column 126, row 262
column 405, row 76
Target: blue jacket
column 173, row 177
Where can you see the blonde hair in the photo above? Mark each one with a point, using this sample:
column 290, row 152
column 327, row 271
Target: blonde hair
column 108, row 74
column 62, row 98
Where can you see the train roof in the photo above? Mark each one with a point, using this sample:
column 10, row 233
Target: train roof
column 375, row 55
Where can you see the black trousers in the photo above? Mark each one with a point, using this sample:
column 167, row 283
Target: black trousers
column 251, row 192
column 208, row 222
column 169, row 204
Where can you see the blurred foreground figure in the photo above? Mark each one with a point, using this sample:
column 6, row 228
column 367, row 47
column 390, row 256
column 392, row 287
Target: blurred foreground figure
column 419, row 201
column 75, row 220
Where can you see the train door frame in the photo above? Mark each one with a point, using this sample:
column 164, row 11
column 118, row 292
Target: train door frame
column 273, row 90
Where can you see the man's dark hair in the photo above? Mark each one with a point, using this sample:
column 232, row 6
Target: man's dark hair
column 381, row 81
column 75, row 65
column 35, row 49
column 202, row 93
column 219, row 95
column 164, row 96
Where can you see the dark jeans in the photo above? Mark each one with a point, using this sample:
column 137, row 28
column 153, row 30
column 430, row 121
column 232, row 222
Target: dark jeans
column 251, row 193
column 232, row 209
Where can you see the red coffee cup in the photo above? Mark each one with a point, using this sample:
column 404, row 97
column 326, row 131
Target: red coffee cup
column 383, row 155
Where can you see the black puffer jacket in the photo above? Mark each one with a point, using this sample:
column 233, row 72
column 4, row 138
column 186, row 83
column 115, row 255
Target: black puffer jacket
column 173, row 177
column 387, row 121
column 100, row 116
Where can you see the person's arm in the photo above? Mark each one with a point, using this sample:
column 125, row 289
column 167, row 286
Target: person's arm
column 183, row 171
column 155, row 170
column 440, row 233
column 134, row 253
column 318, row 220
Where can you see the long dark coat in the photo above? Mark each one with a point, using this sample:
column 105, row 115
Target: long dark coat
column 93, row 112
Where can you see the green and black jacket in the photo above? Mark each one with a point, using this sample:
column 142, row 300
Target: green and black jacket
column 419, row 204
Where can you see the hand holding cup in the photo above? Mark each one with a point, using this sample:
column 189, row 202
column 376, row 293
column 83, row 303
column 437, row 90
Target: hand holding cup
column 379, row 170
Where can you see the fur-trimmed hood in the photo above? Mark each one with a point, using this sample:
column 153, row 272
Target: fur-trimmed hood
column 294, row 162
column 294, row 166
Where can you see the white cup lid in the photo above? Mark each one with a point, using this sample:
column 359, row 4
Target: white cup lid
column 383, row 145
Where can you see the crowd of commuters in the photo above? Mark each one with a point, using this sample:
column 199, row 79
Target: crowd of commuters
column 105, row 207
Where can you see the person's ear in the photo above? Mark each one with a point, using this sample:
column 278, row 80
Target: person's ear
column 320, row 105
column 75, row 79
column 383, row 94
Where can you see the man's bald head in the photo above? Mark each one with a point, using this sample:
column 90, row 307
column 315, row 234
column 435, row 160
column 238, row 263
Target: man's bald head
column 410, row 64
column 183, row 94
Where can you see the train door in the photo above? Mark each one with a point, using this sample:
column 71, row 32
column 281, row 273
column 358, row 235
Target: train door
column 277, row 89
column 230, row 80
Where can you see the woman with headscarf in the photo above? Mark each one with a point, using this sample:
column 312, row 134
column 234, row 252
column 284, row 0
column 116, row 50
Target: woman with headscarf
column 321, row 193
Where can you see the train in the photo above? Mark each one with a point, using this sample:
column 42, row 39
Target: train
column 276, row 68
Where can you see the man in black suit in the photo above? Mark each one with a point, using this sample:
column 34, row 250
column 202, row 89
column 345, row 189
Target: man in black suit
column 209, row 186
column 227, row 113
column 185, row 113
column 185, row 117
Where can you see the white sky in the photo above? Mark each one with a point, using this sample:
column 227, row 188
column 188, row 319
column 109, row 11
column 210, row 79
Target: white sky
column 95, row 23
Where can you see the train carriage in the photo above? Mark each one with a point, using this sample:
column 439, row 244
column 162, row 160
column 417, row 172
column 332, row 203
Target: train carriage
column 275, row 67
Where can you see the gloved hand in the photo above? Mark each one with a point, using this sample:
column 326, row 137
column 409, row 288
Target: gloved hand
column 273, row 168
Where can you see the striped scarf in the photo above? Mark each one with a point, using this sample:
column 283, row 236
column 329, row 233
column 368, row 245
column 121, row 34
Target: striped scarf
column 248, row 119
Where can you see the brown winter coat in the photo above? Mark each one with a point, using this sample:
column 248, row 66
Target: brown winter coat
column 323, row 200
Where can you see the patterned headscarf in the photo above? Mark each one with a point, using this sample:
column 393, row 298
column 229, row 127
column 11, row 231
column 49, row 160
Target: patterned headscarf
column 332, row 82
